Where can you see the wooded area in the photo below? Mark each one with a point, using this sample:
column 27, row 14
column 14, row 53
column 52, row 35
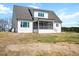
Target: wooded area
column 70, row 29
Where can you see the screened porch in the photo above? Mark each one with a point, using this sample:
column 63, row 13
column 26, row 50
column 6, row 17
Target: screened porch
column 43, row 25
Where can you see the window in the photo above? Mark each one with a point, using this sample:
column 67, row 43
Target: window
column 57, row 25
column 41, row 14
column 24, row 24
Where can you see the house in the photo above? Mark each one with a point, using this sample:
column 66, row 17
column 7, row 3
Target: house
column 30, row 20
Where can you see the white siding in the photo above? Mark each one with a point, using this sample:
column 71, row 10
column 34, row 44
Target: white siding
column 36, row 14
column 25, row 29
column 57, row 29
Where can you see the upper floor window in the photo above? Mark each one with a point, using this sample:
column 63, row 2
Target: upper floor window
column 41, row 14
column 24, row 24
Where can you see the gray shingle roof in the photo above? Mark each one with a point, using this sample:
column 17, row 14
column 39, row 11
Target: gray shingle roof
column 21, row 12
column 28, row 13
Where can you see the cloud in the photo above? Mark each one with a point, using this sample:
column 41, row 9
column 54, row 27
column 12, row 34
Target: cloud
column 5, row 10
column 64, row 15
column 68, row 19
column 69, row 16
column 33, row 6
column 61, row 13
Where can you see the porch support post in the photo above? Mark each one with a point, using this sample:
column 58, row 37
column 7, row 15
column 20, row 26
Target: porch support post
column 38, row 25
column 53, row 24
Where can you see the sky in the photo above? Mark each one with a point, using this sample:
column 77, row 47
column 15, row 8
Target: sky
column 67, row 12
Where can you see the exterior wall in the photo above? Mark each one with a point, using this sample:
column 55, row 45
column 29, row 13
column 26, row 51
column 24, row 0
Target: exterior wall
column 57, row 29
column 15, row 25
column 36, row 14
column 14, row 22
column 25, row 29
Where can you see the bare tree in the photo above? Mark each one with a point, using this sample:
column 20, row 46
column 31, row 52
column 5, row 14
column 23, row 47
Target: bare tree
column 4, row 25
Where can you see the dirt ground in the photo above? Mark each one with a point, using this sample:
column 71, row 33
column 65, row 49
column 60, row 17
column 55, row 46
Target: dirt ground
column 43, row 49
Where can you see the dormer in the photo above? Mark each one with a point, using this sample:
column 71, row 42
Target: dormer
column 40, row 14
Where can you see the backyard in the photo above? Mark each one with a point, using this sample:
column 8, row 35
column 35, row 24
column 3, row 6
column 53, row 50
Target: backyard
column 66, row 43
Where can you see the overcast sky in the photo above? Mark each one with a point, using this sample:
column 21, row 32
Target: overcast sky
column 67, row 12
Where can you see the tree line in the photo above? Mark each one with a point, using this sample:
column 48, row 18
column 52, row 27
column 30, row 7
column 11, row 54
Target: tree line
column 70, row 29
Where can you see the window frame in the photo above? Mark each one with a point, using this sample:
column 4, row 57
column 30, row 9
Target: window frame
column 57, row 24
column 40, row 14
column 24, row 26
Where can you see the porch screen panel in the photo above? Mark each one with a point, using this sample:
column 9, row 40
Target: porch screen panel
column 45, row 25
column 35, row 25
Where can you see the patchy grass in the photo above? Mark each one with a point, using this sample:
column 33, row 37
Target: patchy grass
column 7, row 38
column 19, row 38
column 52, row 38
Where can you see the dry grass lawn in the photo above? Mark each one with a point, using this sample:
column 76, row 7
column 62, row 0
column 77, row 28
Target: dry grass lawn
column 39, row 44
